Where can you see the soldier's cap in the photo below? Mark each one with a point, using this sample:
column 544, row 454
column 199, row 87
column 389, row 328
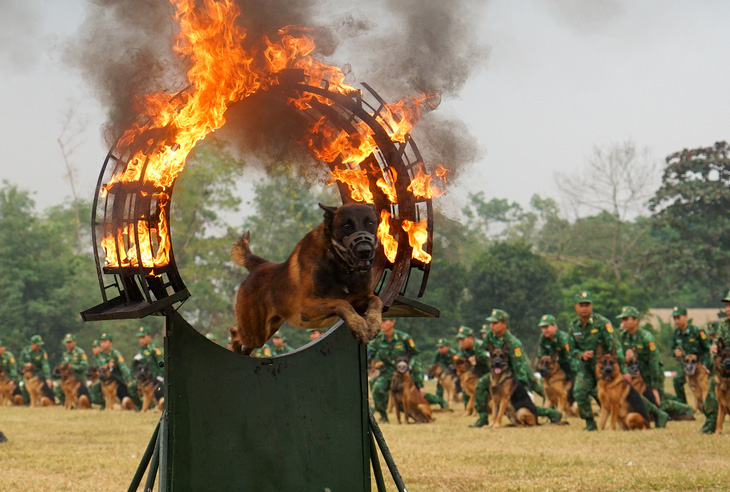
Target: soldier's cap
column 464, row 331
column 679, row 311
column 629, row 311
column 546, row 320
column 484, row 329
column 36, row 339
column 442, row 343
column 310, row 330
column 69, row 338
column 95, row 343
column 277, row 335
column 712, row 327
column 211, row 337
column 498, row 315
column 583, row 296
column 105, row 336
column 142, row 331
column 727, row 297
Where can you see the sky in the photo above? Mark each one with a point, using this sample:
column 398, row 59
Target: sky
column 561, row 77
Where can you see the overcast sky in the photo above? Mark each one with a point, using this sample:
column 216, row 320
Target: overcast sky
column 562, row 76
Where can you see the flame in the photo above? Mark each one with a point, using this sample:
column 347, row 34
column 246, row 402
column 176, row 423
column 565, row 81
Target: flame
column 417, row 236
column 441, row 172
column 390, row 245
column 420, row 185
column 221, row 72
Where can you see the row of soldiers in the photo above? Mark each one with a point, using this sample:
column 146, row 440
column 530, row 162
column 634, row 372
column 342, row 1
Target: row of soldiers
column 576, row 349
column 103, row 354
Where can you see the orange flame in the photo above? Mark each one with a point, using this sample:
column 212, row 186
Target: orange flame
column 420, row 185
column 441, row 172
column 417, row 236
column 390, row 245
column 389, row 188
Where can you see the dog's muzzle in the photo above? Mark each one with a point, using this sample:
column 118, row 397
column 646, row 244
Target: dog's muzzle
column 690, row 369
column 357, row 250
column 633, row 369
column 401, row 367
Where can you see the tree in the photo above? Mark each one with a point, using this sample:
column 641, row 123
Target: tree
column 690, row 212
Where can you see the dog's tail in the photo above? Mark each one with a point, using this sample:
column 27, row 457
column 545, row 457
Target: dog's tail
column 241, row 254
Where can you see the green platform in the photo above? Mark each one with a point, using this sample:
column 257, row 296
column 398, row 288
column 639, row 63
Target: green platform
column 294, row 422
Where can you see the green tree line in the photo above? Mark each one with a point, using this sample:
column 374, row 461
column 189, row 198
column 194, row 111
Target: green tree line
column 494, row 253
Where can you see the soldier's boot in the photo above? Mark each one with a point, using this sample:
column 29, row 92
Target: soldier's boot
column 383, row 417
column 679, row 391
column 709, row 427
column 591, row 425
column 554, row 416
column 436, row 400
column 660, row 421
column 482, row 421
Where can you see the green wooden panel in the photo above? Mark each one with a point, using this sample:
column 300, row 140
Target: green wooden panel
column 294, row 422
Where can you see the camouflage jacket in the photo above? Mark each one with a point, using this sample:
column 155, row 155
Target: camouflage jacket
column 597, row 332
column 39, row 359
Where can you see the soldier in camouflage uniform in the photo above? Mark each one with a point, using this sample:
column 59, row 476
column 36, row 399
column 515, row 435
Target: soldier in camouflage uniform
column 640, row 342
column 711, row 330
column 314, row 333
column 589, row 331
column 35, row 354
column 280, row 345
column 473, row 350
column 385, row 348
column 112, row 358
column 557, row 341
column 688, row 339
column 95, row 389
column 499, row 336
column 444, row 356
column 10, row 366
column 264, row 351
column 149, row 354
column 709, row 407
column 76, row 357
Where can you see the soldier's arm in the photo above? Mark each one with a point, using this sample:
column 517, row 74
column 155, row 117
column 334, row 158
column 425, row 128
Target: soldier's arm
column 656, row 378
column 81, row 364
column 126, row 375
column 24, row 358
column 45, row 367
column 612, row 342
column 13, row 369
column 704, row 342
column 481, row 355
column 159, row 369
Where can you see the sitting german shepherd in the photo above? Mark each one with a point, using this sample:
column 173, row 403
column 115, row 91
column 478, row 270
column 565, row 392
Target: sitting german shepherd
column 149, row 388
column 637, row 380
column 38, row 390
column 75, row 392
column 328, row 275
column 618, row 398
column 448, row 380
column 114, row 390
column 722, row 383
column 9, row 391
column 469, row 377
column 698, row 378
column 558, row 387
column 508, row 395
column 405, row 395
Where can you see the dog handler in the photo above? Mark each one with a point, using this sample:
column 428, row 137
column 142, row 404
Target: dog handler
column 498, row 336
column 149, row 354
column 709, row 407
column 688, row 339
column 385, row 348
column 35, row 354
column 474, row 351
column 589, row 331
column 76, row 357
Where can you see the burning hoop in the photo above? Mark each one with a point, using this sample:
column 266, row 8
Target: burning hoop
column 131, row 212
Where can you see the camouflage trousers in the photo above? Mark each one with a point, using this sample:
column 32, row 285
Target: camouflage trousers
column 674, row 408
column 481, row 400
column 678, row 382
column 380, row 391
column 95, row 393
column 710, row 407
column 586, row 387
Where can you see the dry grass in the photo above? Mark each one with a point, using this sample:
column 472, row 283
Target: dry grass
column 55, row 450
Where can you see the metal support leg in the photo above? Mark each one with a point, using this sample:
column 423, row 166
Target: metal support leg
column 386, row 453
column 151, row 448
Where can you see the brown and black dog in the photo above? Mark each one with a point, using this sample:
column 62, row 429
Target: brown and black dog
column 698, row 378
column 114, row 390
column 558, row 387
column 469, row 378
column 75, row 392
column 508, row 395
column 327, row 276
column 722, row 383
column 38, row 390
column 618, row 398
column 9, row 391
column 149, row 388
column 448, row 379
column 405, row 395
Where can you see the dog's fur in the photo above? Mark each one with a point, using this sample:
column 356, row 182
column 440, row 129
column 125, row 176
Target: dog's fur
column 75, row 393
column 114, row 390
column 618, row 398
column 38, row 390
column 698, row 378
column 469, row 378
column 637, row 380
column 558, row 387
column 722, row 383
column 149, row 388
column 405, row 395
column 448, row 380
column 508, row 395
column 9, row 391
column 314, row 285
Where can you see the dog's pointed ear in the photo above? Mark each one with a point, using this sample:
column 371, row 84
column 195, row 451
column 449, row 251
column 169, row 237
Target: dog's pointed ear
column 329, row 217
column 554, row 357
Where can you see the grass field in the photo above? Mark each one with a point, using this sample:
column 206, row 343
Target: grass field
column 50, row 449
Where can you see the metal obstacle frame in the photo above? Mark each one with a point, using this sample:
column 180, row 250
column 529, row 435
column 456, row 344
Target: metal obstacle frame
column 218, row 419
